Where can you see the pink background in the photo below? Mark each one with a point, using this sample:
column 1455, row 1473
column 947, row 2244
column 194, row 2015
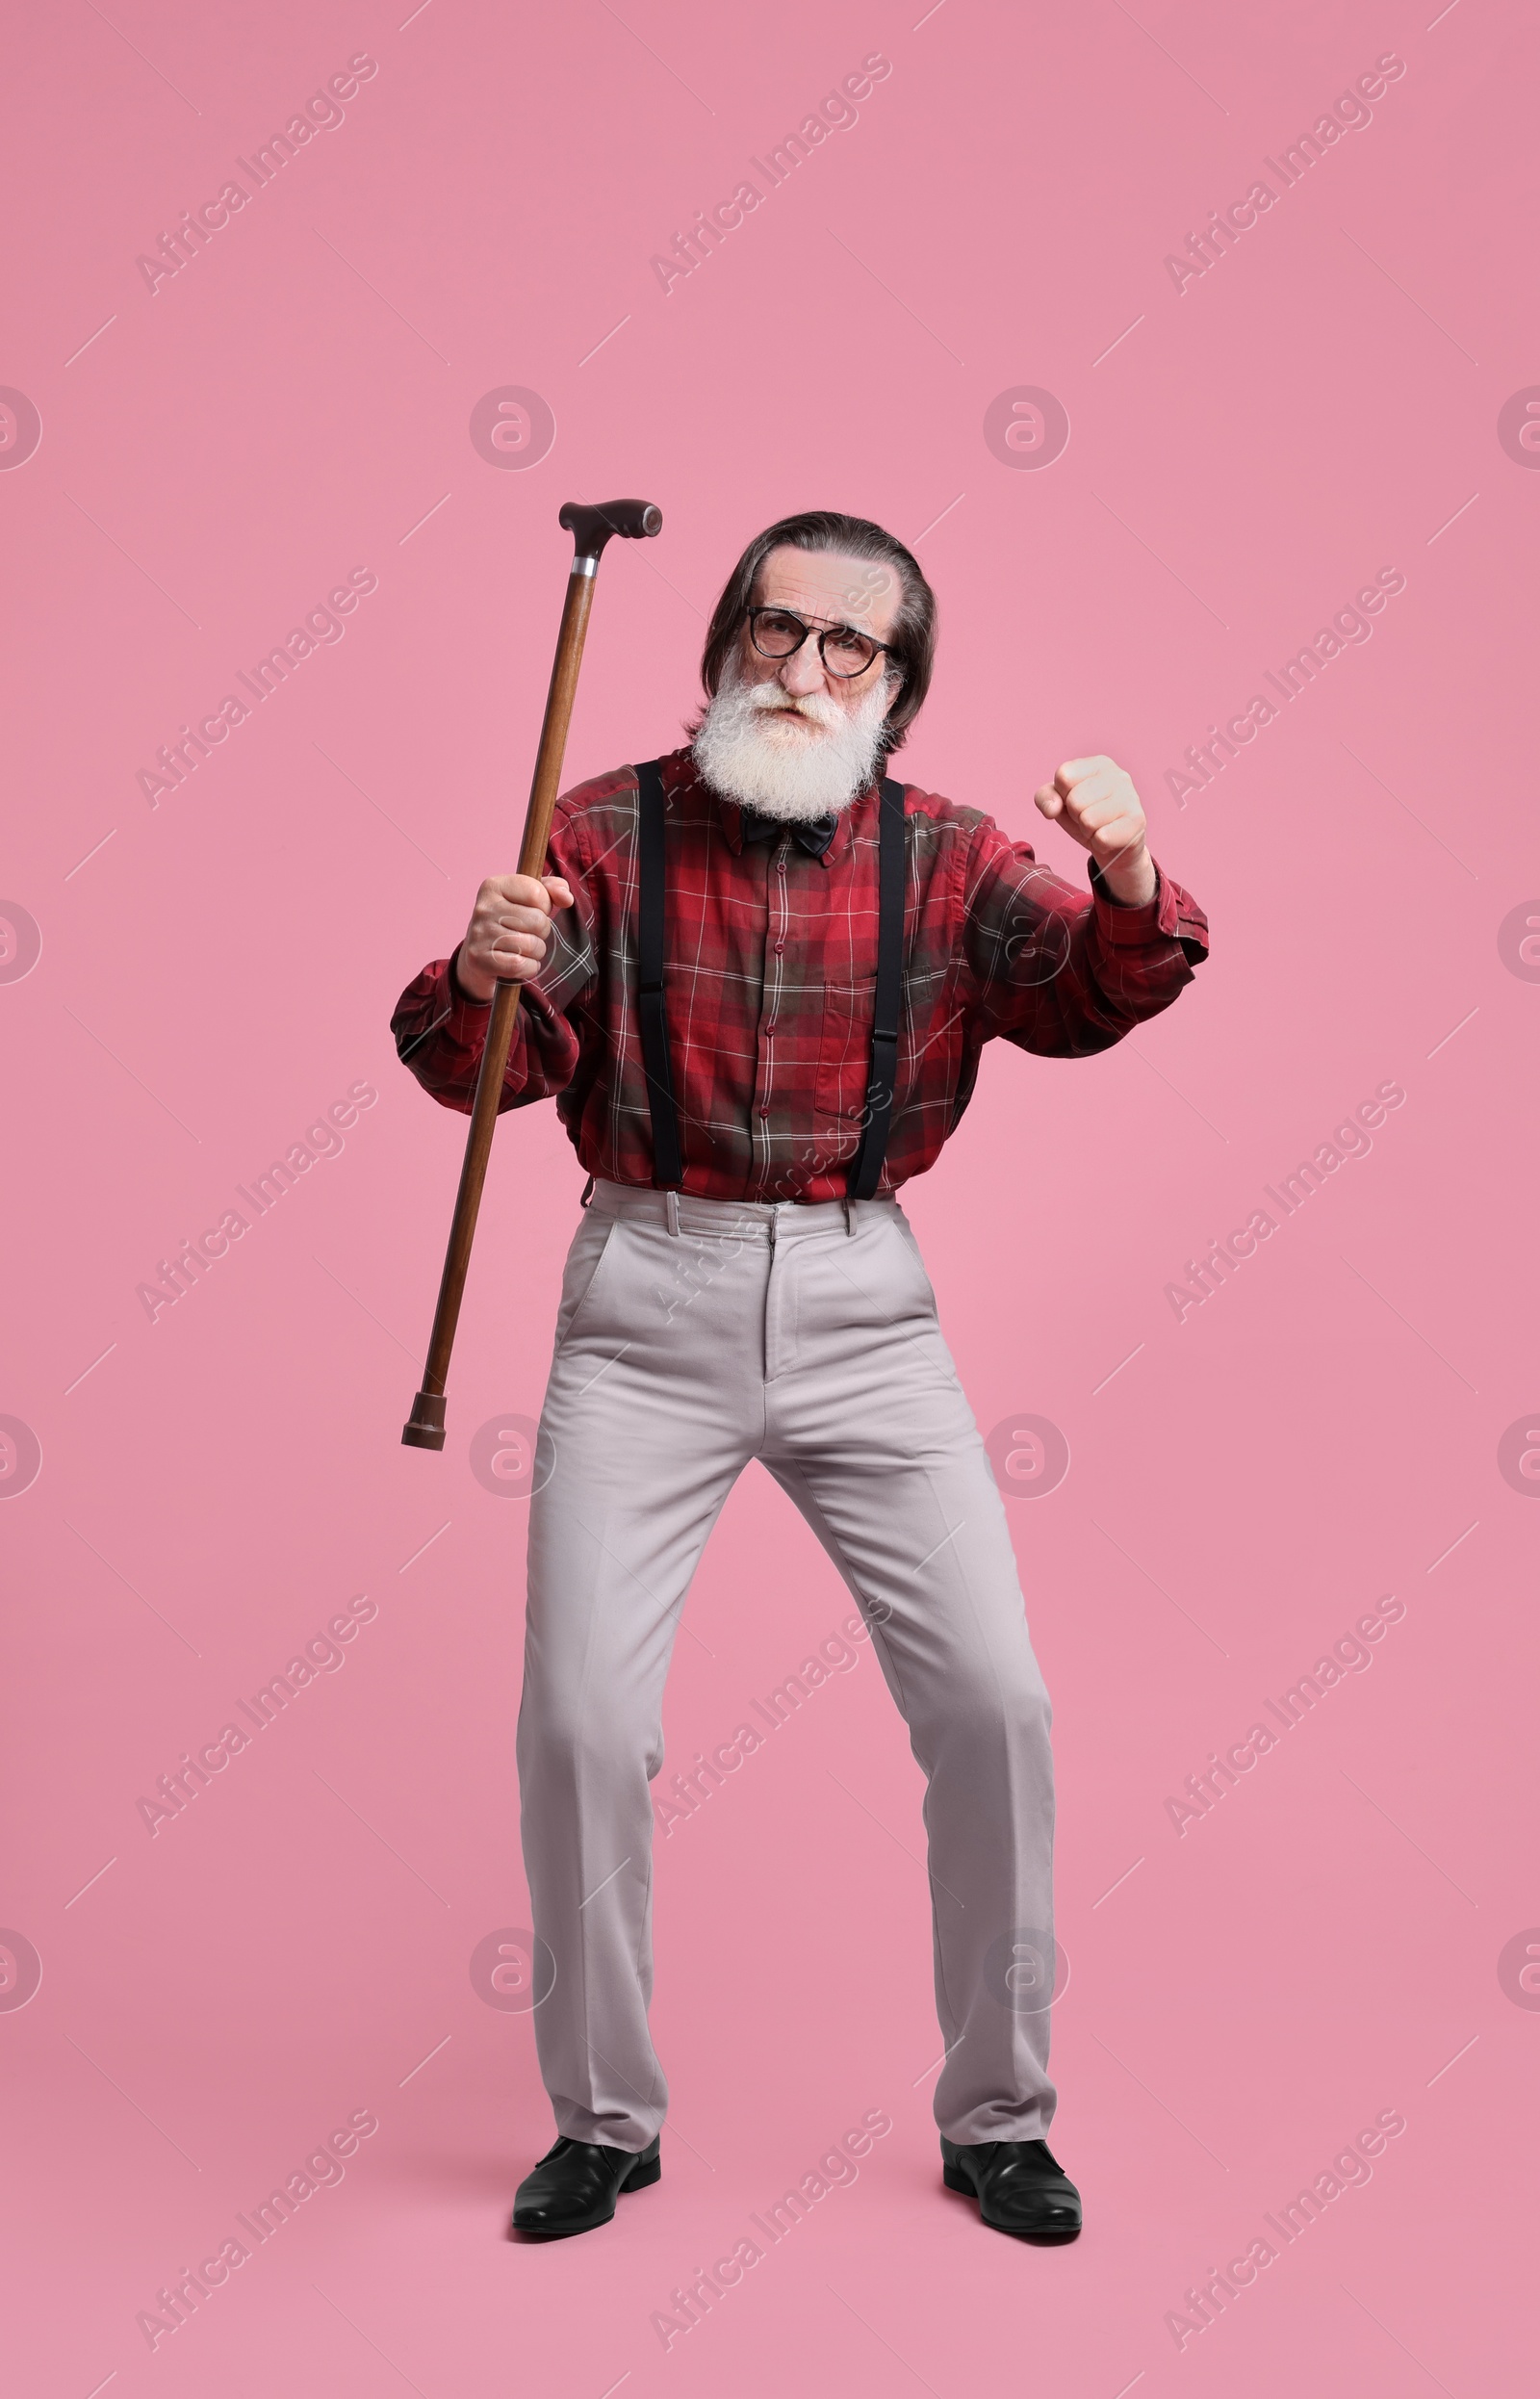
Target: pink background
column 215, row 970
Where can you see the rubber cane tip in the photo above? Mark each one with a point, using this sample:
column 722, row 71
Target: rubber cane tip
column 423, row 1428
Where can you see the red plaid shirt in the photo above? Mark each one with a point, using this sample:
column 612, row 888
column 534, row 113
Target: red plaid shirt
column 770, row 973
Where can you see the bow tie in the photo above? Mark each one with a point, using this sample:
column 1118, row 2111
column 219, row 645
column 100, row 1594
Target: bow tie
column 814, row 836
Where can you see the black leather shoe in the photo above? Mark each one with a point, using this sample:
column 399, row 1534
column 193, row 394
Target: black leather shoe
column 576, row 2186
column 1021, row 2186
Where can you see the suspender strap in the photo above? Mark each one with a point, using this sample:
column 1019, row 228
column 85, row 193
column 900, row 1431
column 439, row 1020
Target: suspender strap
column 866, row 1167
column 667, row 1168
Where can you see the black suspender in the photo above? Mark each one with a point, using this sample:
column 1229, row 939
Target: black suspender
column 866, row 1167
column 667, row 1168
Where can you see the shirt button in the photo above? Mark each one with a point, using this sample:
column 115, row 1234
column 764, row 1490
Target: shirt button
column 765, row 1107
column 780, row 947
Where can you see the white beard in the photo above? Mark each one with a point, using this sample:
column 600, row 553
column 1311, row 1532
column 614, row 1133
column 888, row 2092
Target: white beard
column 748, row 749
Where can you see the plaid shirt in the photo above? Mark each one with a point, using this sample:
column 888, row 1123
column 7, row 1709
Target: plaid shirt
column 770, row 975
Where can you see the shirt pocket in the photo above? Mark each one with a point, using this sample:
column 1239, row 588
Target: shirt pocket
column 845, row 1048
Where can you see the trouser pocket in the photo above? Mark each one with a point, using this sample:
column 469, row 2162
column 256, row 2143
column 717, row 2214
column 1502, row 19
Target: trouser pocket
column 592, row 1246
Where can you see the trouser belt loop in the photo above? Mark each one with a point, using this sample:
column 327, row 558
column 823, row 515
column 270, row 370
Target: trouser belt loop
column 588, row 1193
column 671, row 1208
column 849, row 1206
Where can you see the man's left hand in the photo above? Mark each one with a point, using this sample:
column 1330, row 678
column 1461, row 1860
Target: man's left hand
column 1098, row 807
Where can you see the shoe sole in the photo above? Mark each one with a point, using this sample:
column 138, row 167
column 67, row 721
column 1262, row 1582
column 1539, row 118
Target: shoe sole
column 1051, row 2237
column 641, row 2178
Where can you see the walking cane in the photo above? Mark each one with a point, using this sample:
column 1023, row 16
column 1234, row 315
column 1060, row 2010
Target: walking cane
column 590, row 529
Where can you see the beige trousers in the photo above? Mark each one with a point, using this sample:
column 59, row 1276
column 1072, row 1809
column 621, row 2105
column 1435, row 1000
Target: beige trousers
column 694, row 1335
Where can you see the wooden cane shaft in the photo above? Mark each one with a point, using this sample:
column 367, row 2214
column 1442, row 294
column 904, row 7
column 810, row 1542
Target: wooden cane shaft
column 547, row 781
column 504, row 1014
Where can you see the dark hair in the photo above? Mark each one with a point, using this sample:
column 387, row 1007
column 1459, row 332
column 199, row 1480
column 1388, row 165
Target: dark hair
column 912, row 633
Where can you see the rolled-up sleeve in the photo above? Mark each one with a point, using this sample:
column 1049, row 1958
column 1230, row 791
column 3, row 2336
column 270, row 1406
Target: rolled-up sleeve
column 1061, row 972
column 439, row 1034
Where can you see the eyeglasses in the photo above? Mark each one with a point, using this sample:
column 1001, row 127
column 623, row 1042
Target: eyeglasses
column 775, row 634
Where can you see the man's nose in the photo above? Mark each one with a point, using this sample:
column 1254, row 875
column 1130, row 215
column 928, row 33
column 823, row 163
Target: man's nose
column 803, row 673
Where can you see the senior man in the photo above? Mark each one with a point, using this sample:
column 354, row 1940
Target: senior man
column 757, row 979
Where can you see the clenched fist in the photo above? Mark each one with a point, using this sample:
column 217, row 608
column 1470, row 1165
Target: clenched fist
column 510, row 925
column 1098, row 807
